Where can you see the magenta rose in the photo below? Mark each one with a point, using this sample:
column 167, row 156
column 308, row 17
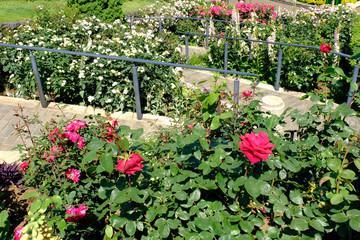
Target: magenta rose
column 256, row 147
column 325, row 48
column 131, row 165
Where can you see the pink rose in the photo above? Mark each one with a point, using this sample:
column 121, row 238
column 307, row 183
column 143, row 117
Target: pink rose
column 191, row 126
column 17, row 233
column 256, row 147
column 78, row 213
column 246, row 94
column 73, row 174
column 131, row 165
column 325, row 48
column 24, row 166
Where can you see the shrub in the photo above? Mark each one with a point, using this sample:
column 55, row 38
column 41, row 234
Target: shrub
column 106, row 10
column 90, row 81
column 194, row 180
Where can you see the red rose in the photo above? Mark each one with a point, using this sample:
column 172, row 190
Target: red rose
column 256, row 147
column 325, row 48
column 131, row 165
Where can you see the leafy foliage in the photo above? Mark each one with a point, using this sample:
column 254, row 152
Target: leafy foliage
column 106, row 10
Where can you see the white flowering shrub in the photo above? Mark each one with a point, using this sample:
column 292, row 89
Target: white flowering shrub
column 92, row 81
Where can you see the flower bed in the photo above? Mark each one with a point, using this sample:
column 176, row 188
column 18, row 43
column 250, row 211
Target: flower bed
column 91, row 81
column 223, row 172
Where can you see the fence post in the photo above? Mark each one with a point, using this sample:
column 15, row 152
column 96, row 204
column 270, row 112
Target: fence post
column 226, row 57
column 278, row 70
column 236, row 89
column 353, row 79
column 160, row 26
column 44, row 104
column 187, row 48
column 207, row 34
column 131, row 21
column 137, row 92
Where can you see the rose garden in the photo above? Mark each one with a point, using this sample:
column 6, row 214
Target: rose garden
column 225, row 168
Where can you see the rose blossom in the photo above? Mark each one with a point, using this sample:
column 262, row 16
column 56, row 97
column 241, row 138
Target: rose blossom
column 17, row 233
column 246, row 94
column 325, row 48
column 73, row 174
column 75, row 125
column 78, row 213
column 190, row 126
column 131, row 165
column 256, row 147
column 24, row 166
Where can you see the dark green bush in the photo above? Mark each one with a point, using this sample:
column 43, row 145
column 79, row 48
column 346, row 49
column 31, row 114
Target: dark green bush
column 107, row 10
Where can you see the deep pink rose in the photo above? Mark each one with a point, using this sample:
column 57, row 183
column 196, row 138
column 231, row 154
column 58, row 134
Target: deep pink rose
column 325, row 48
column 246, row 94
column 256, row 147
column 17, row 233
column 191, row 126
column 24, row 166
column 131, row 165
column 73, row 174
column 77, row 213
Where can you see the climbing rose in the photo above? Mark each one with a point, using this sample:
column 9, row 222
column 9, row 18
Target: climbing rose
column 24, row 166
column 256, row 147
column 17, row 233
column 325, row 48
column 73, row 174
column 191, row 126
column 131, row 165
column 78, row 213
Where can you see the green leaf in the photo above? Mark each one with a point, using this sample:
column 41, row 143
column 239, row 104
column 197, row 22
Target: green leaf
column 204, row 144
column 252, row 187
column 355, row 224
column 61, row 225
column 334, row 164
column 282, row 174
column 354, row 86
column 195, row 195
column 226, row 115
column 314, row 98
column 199, row 131
column 279, row 208
column 31, row 195
column 117, row 222
column 348, row 174
column 130, row 228
column 353, row 213
column 150, row 215
column 95, row 144
column 89, row 157
column 247, row 226
column 336, row 199
column 317, row 224
column 339, row 217
column 213, row 97
column 35, row 206
column 357, row 163
column 221, row 182
column 202, row 223
column 109, row 231
column 299, row 224
column 296, row 197
column 215, row 123
column 107, row 162
column 164, row 230
column 174, row 223
column 181, row 195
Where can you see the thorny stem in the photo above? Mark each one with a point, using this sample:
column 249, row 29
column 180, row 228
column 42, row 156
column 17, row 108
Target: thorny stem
column 128, row 177
column 342, row 166
column 21, row 115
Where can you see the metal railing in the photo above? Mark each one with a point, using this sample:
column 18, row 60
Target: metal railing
column 280, row 55
column 134, row 70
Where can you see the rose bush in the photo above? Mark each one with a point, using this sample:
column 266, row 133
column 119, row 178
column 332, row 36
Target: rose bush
column 196, row 182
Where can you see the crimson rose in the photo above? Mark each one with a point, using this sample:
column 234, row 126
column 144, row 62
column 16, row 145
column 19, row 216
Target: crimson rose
column 256, row 147
column 131, row 165
column 325, row 48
